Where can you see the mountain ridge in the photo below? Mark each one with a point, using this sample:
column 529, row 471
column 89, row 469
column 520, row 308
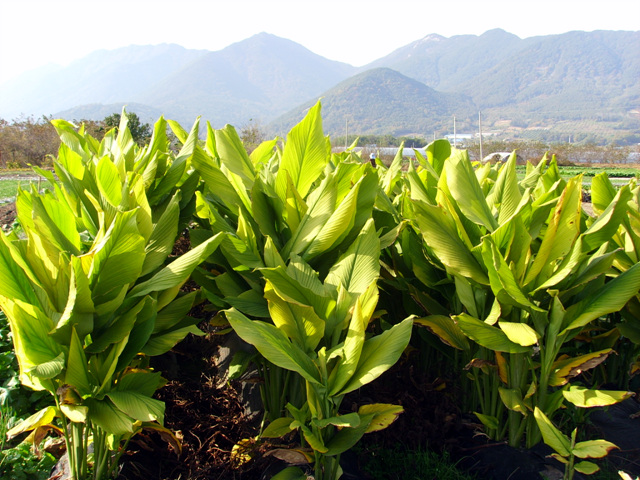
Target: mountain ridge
column 528, row 81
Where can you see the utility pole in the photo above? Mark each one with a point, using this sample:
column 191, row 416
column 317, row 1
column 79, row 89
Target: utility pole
column 480, row 129
column 346, row 133
column 455, row 141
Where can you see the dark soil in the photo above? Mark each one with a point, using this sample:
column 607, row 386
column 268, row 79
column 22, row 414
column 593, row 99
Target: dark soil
column 210, row 420
column 7, row 215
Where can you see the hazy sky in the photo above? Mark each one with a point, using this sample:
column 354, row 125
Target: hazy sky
column 38, row 32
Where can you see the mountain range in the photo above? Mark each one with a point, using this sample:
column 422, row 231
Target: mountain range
column 531, row 83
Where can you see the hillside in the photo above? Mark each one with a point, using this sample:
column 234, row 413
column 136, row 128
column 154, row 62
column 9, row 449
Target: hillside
column 381, row 101
column 105, row 76
column 580, row 85
column 446, row 63
column 565, row 76
column 258, row 78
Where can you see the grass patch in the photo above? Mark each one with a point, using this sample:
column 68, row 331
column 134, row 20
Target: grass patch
column 402, row 464
column 9, row 186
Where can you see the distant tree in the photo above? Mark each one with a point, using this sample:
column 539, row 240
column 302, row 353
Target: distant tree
column 27, row 141
column 140, row 132
column 251, row 134
column 95, row 128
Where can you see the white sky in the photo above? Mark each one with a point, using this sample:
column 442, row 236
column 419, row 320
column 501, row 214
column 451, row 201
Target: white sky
column 37, row 32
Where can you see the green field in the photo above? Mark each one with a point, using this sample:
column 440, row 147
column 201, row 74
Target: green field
column 11, row 179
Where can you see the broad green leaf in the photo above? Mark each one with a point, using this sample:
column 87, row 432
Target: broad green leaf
column 440, row 233
column 54, row 220
column 14, row 283
column 488, row 336
column 104, row 414
column 611, row 298
column 137, row 405
column 272, row 258
column 315, row 442
column 488, row 421
column 263, row 153
column 446, row 330
column 290, row 473
column 175, row 311
column 162, row 342
column 359, row 265
column 351, row 351
column 179, row 270
column 438, row 152
column 346, row 438
column 300, row 323
column 384, row 414
column 560, row 234
column 586, row 397
column 141, row 381
column 240, row 254
column 233, row 154
column 305, row 154
column 338, row 225
column 551, row 435
column 505, row 195
column 119, row 329
column 393, row 173
column 418, row 189
column 348, row 420
column 277, row 428
column 250, row 302
column 216, row 181
column 117, row 258
column 273, row 345
column 503, row 283
column 519, row 333
column 379, row 353
column 607, row 223
column 30, row 328
column 588, row 468
column 50, row 369
column 264, row 211
column 103, row 365
column 77, row 374
column 79, row 310
column 465, row 189
column 301, row 286
column 512, row 399
column 205, row 209
column 109, row 182
column 602, row 192
column 162, row 237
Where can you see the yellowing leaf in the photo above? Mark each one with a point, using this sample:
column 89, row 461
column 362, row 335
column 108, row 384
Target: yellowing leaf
column 519, row 333
column 41, row 418
column 242, row 451
column 565, row 369
column 586, row 397
column 445, row 329
column 593, row 448
column 75, row 413
column 383, row 415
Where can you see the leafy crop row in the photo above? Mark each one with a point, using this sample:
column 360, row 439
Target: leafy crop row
column 304, row 253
